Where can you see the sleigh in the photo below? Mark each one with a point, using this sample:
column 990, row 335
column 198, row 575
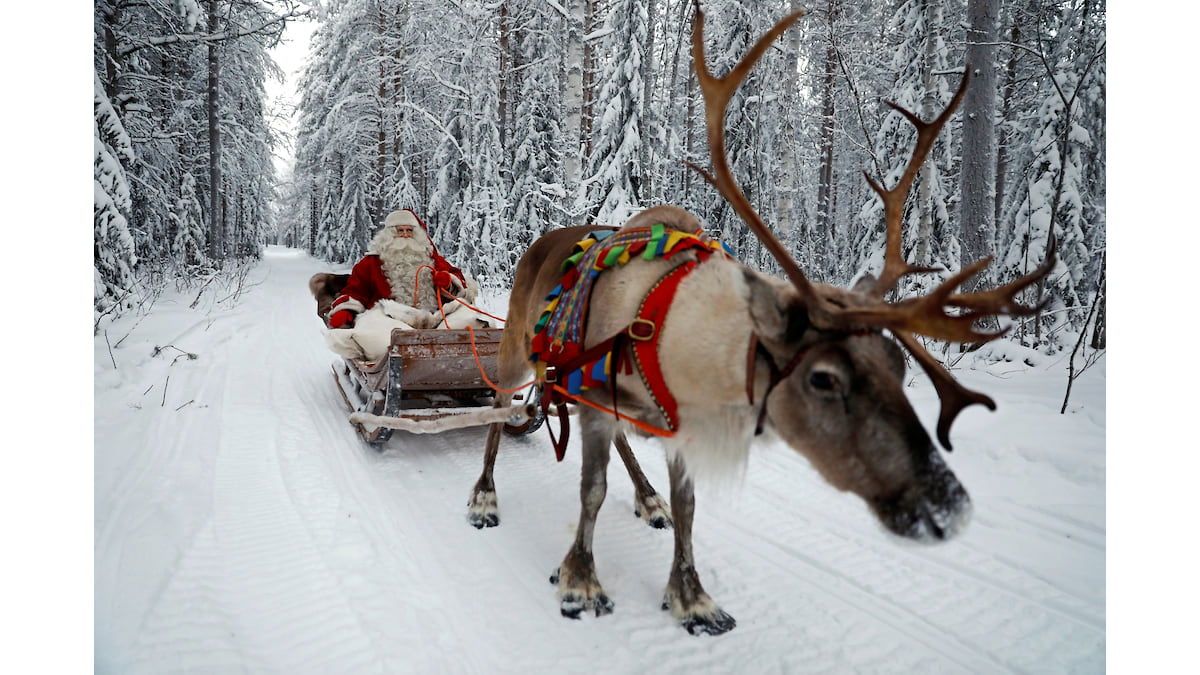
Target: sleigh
column 430, row 381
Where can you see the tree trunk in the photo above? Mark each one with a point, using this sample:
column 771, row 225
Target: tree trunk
column 215, row 212
column 377, row 199
column 785, row 196
column 1006, row 112
column 648, row 75
column 572, row 166
column 825, row 178
column 978, row 210
column 589, row 78
column 923, row 248
column 314, row 208
column 502, row 97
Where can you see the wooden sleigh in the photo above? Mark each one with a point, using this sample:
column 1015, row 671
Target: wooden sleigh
column 429, row 382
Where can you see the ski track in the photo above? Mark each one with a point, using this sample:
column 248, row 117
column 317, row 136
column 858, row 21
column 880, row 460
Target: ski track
column 252, row 531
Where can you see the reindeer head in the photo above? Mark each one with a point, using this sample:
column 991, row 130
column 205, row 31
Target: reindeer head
column 837, row 380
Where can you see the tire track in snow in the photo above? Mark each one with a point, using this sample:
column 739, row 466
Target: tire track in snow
column 880, row 571
column 260, row 559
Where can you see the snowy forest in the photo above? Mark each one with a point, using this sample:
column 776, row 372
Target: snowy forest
column 498, row 121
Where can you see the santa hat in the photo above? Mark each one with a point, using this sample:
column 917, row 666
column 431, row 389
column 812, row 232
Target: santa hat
column 404, row 217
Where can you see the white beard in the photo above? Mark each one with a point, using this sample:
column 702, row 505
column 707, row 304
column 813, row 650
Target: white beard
column 401, row 259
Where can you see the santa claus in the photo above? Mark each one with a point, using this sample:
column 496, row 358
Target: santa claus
column 402, row 282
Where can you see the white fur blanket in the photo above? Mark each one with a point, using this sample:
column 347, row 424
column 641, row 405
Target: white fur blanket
column 372, row 332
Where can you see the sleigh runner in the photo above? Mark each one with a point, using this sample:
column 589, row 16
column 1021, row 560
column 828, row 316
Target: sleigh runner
column 430, row 381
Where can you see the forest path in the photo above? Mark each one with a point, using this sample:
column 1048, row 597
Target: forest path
column 241, row 525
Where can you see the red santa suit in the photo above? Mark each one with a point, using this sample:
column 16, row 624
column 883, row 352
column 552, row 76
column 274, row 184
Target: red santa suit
column 368, row 284
column 369, row 280
column 402, row 283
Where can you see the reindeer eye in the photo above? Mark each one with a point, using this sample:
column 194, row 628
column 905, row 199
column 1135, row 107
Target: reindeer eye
column 822, row 380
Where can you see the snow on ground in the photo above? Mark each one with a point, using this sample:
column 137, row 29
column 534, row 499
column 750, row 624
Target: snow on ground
column 242, row 526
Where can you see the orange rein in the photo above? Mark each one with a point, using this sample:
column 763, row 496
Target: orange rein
column 474, row 348
column 648, row 428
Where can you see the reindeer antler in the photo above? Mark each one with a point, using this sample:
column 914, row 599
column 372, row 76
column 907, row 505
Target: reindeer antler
column 717, row 93
column 925, row 315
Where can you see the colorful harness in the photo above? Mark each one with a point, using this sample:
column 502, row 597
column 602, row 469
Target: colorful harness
column 557, row 345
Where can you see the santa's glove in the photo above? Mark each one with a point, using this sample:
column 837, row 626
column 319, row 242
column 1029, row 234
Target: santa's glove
column 342, row 319
column 442, row 280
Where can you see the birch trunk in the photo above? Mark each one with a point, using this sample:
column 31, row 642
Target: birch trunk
column 978, row 182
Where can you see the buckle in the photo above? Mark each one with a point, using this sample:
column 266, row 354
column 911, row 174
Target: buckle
column 551, row 376
column 647, row 332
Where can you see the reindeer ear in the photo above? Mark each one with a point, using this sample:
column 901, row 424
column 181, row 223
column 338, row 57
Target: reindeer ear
column 779, row 314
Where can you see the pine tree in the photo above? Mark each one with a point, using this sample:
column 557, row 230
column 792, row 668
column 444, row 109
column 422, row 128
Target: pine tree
column 614, row 167
column 113, row 278
column 187, row 218
column 538, row 196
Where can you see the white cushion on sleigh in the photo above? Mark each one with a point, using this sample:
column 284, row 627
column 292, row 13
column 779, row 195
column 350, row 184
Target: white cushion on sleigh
column 371, row 335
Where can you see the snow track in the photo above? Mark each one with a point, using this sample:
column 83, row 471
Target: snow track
column 242, row 526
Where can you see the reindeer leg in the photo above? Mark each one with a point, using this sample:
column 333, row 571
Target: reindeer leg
column 482, row 509
column 578, row 588
column 685, row 597
column 647, row 503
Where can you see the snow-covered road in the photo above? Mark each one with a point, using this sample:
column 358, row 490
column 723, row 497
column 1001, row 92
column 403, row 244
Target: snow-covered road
column 242, row 526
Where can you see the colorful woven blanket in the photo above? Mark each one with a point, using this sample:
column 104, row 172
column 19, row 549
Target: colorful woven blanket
column 558, row 334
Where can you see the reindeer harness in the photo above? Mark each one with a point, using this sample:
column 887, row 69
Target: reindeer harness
column 565, row 369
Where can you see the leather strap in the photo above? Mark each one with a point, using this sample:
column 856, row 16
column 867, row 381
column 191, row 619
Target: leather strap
column 645, row 333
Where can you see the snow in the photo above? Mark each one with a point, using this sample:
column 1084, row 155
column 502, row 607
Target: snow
column 241, row 526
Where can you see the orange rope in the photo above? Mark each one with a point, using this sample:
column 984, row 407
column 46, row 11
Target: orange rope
column 475, row 351
column 648, row 428
column 474, row 348
column 441, row 308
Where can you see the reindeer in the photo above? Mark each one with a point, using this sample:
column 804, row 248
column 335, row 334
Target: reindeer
column 809, row 362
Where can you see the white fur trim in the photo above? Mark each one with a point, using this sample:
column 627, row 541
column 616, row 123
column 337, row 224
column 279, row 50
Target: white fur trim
column 459, row 316
column 347, row 302
column 401, row 217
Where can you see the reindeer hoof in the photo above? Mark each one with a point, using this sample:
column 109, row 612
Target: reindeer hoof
column 572, row 605
column 482, row 510
column 654, row 510
column 481, row 521
column 575, row 599
column 713, row 624
column 703, row 617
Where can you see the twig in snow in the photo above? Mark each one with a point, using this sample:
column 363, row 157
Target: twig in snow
column 197, row 300
column 110, row 354
column 190, row 356
column 185, row 405
column 164, row 398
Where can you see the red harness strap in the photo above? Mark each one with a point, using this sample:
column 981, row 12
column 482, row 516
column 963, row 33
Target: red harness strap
column 643, row 335
column 645, row 331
